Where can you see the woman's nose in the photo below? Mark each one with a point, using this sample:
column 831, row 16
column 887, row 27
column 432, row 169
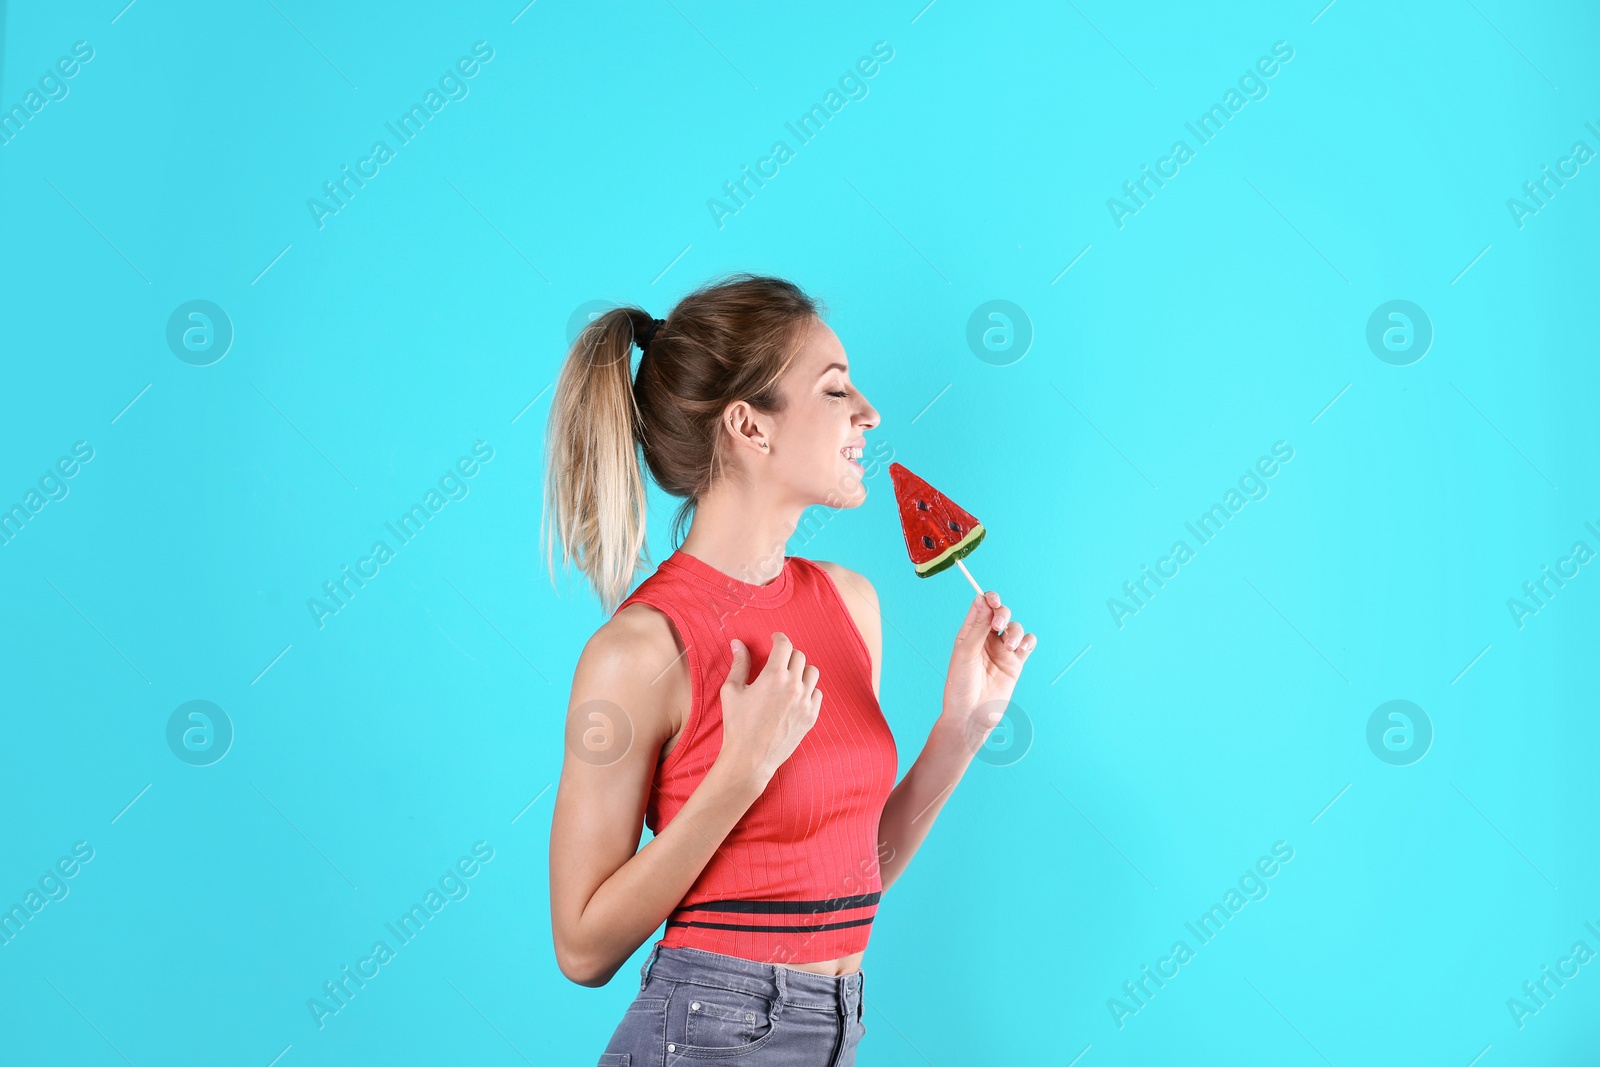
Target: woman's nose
column 870, row 418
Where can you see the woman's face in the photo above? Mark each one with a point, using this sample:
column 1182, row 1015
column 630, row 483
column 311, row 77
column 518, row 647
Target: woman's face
column 824, row 417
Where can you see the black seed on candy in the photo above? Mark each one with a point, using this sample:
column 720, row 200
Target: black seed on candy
column 927, row 541
column 922, row 505
column 956, row 526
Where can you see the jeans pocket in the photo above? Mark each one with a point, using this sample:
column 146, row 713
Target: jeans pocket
column 615, row 1059
column 720, row 1021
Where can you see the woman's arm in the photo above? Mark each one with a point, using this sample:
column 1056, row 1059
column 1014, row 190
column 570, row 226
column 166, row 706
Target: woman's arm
column 607, row 895
column 983, row 671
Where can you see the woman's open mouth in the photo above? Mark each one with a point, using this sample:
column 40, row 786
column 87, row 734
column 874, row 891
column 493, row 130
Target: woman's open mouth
column 852, row 455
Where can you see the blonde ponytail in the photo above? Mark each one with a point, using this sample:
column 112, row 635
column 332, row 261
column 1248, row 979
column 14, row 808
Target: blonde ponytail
column 594, row 486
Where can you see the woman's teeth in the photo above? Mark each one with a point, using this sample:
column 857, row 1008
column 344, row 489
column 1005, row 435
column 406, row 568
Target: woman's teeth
column 850, row 452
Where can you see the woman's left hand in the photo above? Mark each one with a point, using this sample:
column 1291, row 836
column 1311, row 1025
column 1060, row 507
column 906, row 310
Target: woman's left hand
column 990, row 652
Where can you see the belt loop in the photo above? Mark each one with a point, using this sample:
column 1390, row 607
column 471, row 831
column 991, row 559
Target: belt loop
column 783, row 990
column 649, row 961
column 841, row 996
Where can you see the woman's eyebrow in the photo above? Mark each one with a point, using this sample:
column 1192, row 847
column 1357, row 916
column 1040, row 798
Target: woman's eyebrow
column 831, row 366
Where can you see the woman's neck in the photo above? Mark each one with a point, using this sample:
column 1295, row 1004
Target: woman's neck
column 741, row 533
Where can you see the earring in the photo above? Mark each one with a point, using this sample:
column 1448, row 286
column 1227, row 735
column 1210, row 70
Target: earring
column 763, row 445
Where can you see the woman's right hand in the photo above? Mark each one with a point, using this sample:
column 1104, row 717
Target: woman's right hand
column 764, row 721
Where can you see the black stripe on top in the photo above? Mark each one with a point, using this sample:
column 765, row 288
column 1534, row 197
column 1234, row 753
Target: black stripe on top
column 773, row 929
column 786, row 907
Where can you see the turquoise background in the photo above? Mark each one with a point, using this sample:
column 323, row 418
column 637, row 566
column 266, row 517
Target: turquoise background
column 431, row 312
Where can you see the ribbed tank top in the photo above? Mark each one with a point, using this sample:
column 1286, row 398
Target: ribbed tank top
column 797, row 879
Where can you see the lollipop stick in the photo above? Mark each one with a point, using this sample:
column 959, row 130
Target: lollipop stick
column 968, row 573
column 973, row 580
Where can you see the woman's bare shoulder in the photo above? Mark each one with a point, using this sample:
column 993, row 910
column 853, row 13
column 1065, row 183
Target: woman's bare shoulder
column 639, row 639
column 859, row 594
column 635, row 661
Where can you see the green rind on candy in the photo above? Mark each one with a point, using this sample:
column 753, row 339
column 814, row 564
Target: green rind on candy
column 947, row 558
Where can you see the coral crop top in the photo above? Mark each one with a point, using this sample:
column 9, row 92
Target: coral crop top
column 797, row 879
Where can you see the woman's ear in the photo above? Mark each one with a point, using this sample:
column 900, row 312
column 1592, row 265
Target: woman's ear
column 741, row 423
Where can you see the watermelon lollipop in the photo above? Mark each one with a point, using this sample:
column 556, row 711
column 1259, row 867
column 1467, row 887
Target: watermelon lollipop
column 938, row 531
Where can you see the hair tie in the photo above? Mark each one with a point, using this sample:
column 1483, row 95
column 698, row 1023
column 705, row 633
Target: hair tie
column 649, row 332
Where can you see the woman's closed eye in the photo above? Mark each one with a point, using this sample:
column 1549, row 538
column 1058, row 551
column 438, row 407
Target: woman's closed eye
column 840, row 394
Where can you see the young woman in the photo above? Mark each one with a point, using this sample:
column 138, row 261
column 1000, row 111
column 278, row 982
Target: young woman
column 731, row 702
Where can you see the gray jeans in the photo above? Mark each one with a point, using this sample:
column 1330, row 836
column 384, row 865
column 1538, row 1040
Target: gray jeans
column 696, row 1006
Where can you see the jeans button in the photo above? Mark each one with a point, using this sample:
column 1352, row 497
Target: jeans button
column 749, row 1018
column 695, row 1006
column 672, row 1048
